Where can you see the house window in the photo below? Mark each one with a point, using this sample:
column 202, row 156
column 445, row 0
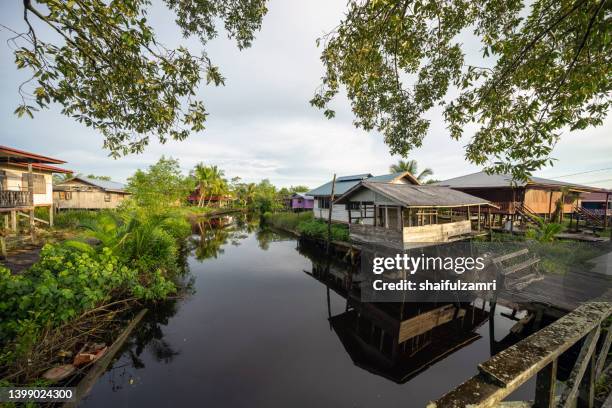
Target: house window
column 323, row 202
column 107, row 197
column 65, row 195
column 353, row 205
column 40, row 186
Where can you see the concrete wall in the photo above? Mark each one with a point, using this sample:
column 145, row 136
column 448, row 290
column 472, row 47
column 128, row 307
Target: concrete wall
column 14, row 183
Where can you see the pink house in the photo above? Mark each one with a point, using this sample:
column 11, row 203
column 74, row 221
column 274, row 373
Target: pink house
column 301, row 202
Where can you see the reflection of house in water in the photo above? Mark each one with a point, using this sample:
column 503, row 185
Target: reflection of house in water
column 397, row 340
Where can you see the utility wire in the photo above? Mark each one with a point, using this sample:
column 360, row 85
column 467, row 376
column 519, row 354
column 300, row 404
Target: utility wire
column 595, row 182
column 582, row 172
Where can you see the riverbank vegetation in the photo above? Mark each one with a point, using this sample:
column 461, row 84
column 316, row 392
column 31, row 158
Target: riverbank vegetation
column 130, row 255
column 110, row 263
column 305, row 224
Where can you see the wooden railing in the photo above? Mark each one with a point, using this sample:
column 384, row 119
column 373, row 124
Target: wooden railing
column 15, row 199
column 537, row 355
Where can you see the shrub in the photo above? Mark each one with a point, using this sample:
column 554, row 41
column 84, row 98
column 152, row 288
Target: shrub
column 318, row 229
column 287, row 220
column 72, row 219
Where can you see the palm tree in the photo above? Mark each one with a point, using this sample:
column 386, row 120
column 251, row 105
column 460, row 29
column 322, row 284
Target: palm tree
column 210, row 182
column 410, row 166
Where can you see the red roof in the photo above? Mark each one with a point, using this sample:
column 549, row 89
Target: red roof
column 43, row 167
column 17, row 155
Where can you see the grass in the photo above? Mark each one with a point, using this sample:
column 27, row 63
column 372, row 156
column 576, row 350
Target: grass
column 287, row 220
column 305, row 224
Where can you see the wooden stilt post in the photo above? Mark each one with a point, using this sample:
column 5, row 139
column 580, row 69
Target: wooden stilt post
column 51, row 215
column 14, row 221
column 329, row 215
column 2, row 247
column 31, row 191
column 478, row 217
column 546, row 382
column 386, row 217
column 605, row 223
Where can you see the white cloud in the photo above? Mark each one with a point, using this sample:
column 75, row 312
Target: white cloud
column 260, row 123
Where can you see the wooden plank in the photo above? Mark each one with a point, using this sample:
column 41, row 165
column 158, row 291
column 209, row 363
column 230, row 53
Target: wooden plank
column 520, row 362
column 586, row 390
column 508, row 370
column 608, row 402
column 546, row 382
column 520, row 266
column 570, row 394
column 511, row 255
column 426, row 321
column 603, row 353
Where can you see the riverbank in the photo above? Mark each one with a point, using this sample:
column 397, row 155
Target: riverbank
column 81, row 289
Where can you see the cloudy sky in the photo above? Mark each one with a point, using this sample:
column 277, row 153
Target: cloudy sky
column 260, row 124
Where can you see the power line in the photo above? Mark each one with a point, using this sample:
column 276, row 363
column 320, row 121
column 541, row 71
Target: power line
column 595, row 182
column 582, row 172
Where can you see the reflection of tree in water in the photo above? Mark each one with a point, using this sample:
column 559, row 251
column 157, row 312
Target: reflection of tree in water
column 150, row 336
column 147, row 336
column 265, row 236
column 211, row 234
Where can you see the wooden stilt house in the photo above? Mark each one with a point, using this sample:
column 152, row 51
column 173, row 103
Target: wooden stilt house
column 26, row 183
column 403, row 214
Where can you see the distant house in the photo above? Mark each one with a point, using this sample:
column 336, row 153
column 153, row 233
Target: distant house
column 322, row 194
column 597, row 202
column 301, row 202
column 26, row 183
column 535, row 196
column 221, row 200
column 88, row 194
column 404, row 215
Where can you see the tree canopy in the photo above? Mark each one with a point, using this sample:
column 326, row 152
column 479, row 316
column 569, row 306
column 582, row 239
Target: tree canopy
column 161, row 185
column 544, row 69
column 102, row 62
column 412, row 167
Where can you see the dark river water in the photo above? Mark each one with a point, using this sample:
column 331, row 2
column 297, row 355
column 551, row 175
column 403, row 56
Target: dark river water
column 256, row 332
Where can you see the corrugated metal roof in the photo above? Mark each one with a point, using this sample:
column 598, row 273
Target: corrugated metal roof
column 303, row 195
column 343, row 184
column 484, row 180
column 385, row 178
column 419, row 196
column 103, row 184
column 354, row 177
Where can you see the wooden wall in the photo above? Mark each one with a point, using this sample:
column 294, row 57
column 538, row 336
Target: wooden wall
column 13, row 180
column 544, row 201
column 436, row 232
column 95, row 199
column 504, row 198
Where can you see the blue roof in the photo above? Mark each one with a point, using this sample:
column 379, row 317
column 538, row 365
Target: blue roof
column 354, row 178
column 343, row 184
column 103, row 184
column 385, row 178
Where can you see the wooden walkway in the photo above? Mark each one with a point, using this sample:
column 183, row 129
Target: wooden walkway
column 565, row 292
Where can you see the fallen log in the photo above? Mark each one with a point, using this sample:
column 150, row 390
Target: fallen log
column 99, row 367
